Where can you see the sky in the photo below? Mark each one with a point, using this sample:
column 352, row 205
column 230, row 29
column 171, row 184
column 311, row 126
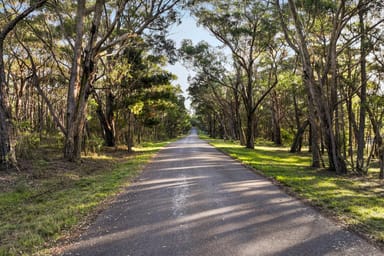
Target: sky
column 188, row 29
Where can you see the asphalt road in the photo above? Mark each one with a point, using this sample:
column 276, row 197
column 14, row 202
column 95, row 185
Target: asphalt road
column 193, row 200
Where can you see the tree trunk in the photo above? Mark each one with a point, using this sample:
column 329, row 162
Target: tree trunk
column 249, row 105
column 276, row 129
column 108, row 131
column 376, row 125
column 314, row 136
column 237, row 118
column 298, row 140
column 129, row 133
column 238, row 121
column 81, row 81
column 106, row 119
column 73, row 89
column 250, row 139
column 363, row 97
column 7, row 149
column 7, row 142
column 336, row 161
column 110, row 112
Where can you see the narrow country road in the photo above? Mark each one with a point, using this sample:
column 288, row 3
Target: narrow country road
column 192, row 200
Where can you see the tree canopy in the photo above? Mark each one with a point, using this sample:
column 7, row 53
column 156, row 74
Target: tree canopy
column 305, row 73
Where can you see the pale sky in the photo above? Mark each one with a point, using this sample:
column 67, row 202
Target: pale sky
column 188, row 29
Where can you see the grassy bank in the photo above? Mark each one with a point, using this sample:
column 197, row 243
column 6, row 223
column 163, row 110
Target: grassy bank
column 50, row 198
column 356, row 201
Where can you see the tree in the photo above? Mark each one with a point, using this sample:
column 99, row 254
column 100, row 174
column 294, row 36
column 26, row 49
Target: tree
column 317, row 95
column 7, row 143
column 322, row 33
column 214, row 86
column 246, row 28
column 130, row 19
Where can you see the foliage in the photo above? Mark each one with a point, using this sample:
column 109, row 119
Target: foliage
column 300, row 72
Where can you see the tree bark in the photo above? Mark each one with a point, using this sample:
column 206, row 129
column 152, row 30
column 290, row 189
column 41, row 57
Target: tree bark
column 82, row 78
column 276, row 131
column 129, row 133
column 7, row 141
column 249, row 105
column 379, row 141
column 106, row 118
column 250, row 133
column 298, row 140
column 73, row 89
column 336, row 161
column 363, row 97
column 314, row 134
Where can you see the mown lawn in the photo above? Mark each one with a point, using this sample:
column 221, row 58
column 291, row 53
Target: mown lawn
column 358, row 202
column 51, row 198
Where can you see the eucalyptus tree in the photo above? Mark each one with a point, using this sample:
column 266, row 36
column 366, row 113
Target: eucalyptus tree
column 218, row 84
column 210, row 107
column 320, row 34
column 375, row 109
column 368, row 32
column 98, row 32
column 246, row 28
column 11, row 16
column 160, row 112
column 375, row 99
column 324, row 106
column 142, row 90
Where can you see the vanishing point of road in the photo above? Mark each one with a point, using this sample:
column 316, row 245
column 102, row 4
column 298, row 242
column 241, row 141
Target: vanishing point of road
column 192, row 200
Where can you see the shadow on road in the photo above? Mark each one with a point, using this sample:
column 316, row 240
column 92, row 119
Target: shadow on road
column 193, row 200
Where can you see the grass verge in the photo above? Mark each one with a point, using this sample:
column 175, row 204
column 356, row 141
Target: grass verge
column 49, row 199
column 356, row 201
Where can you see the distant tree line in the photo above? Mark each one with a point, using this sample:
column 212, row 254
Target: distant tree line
column 87, row 72
column 303, row 72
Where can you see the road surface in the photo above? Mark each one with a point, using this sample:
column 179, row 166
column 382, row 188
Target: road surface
column 192, row 200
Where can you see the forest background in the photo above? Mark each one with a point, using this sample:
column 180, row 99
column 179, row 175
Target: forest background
column 84, row 78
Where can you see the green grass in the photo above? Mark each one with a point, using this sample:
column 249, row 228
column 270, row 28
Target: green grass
column 51, row 200
column 356, row 201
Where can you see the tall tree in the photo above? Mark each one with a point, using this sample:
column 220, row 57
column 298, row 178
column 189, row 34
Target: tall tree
column 316, row 87
column 7, row 143
column 246, row 28
column 130, row 19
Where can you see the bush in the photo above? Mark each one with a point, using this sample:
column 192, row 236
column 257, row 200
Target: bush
column 94, row 144
column 26, row 145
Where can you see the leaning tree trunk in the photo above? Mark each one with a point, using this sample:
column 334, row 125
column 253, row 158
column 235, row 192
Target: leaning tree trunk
column 336, row 161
